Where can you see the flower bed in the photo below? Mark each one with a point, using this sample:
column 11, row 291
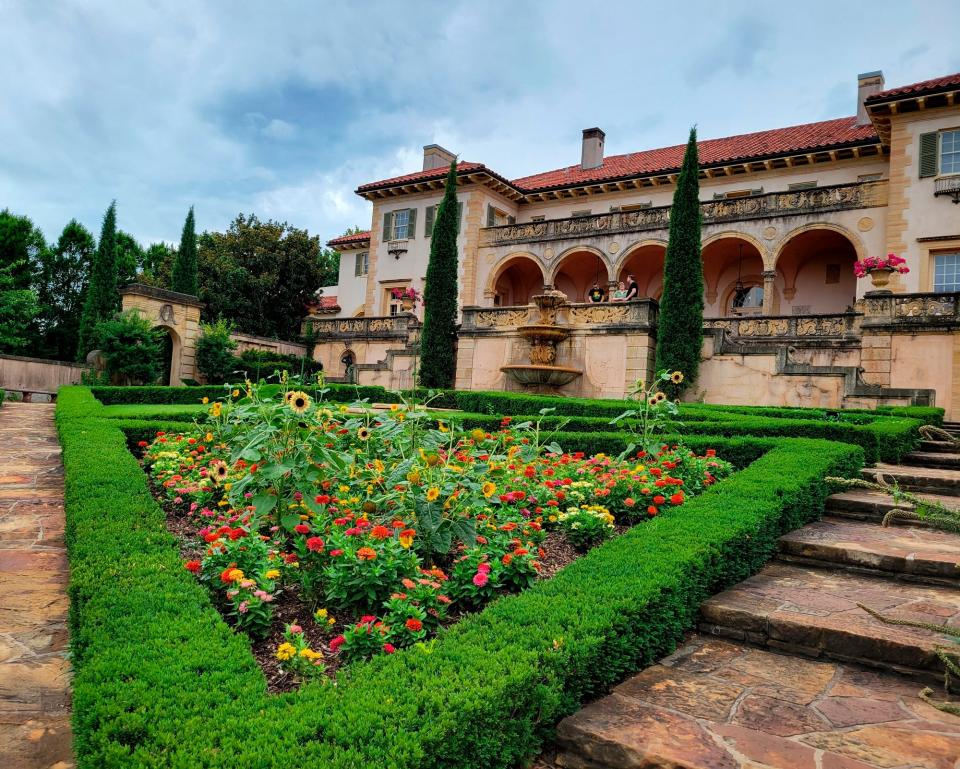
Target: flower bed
column 331, row 536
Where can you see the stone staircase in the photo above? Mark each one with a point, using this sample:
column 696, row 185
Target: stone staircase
column 787, row 672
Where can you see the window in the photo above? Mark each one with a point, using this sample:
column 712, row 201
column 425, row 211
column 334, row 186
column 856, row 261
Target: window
column 431, row 213
column 579, row 214
column 631, row 207
column 950, row 152
column 737, row 194
column 939, row 153
column 401, row 221
column 362, row 264
column 540, row 218
column 946, row 272
column 497, row 218
column 749, row 298
column 801, row 186
column 400, row 225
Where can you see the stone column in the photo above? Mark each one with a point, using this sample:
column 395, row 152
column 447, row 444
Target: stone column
column 769, row 276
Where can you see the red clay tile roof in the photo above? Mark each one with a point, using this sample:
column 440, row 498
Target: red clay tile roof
column 917, row 89
column 779, row 141
column 422, row 176
column 343, row 240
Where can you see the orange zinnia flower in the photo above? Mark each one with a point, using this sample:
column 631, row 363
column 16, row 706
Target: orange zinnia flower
column 366, row 554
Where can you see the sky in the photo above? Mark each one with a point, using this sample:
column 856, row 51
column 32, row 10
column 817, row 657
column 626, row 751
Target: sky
column 282, row 109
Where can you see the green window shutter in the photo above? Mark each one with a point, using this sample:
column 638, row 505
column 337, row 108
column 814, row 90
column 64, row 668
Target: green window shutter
column 459, row 214
column 428, row 221
column 511, row 220
column 387, row 227
column 928, row 155
column 412, row 223
column 491, row 216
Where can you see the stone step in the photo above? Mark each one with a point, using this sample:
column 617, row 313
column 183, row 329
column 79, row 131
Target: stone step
column 869, row 505
column 720, row 705
column 940, row 447
column 943, row 459
column 933, row 480
column 905, row 552
column 814, row 612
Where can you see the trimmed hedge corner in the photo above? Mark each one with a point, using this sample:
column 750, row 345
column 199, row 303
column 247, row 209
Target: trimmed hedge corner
column 162, row 681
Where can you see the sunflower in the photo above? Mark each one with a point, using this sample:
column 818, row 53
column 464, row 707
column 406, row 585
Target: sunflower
column 488, row 489
column 652, row 400
column 478, row 435
column 676, row 377
column 432, row 493
column 218, row 471
column 298, row 401
column 660, row 396
column 364, row 433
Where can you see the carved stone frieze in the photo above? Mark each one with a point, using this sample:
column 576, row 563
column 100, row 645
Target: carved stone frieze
column 820, row 326
column 601, row 313
column 925, row 305
column 501, row 318
column 763, row 327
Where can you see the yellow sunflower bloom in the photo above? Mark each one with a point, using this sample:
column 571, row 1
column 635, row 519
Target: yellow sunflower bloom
column 676, row 377
column 364, row 433
column 432, row 493
column 298, row 401
column 489, row 488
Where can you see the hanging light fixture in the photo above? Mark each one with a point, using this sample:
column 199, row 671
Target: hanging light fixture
column 739, row 290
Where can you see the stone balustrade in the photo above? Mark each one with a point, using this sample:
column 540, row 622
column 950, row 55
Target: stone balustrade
column 387, row 327
column 938, row 310
column 842, row 326
column 816, row 200
column 640, row 316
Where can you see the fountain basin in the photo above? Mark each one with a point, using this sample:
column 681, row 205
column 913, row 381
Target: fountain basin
column 549, row 376
column 544, row 332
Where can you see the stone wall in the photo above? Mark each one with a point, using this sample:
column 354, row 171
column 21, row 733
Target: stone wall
column 178, row 314
column 36, row 375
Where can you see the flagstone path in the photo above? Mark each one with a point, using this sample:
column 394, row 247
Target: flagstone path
column 34, row 671
column 787, row 672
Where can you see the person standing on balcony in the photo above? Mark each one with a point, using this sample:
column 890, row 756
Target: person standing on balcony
column 620, row 295
column 633, row 290
column 597, row 294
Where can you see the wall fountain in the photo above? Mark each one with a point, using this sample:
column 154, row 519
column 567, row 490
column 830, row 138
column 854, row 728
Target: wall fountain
column 544, row 336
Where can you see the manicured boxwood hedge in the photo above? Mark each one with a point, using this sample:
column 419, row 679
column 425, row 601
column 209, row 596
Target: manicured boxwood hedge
column 162, row 681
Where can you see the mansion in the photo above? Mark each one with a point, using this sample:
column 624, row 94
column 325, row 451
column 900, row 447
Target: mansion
column 786, row 213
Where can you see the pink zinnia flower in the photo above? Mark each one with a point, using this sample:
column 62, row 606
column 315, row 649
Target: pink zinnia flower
column 480, row 578
column 244, row 607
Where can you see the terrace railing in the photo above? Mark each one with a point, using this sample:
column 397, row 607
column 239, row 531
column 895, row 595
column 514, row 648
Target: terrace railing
column 816, row 200
column 640, row 316
column 842, row 326
column 387, row 327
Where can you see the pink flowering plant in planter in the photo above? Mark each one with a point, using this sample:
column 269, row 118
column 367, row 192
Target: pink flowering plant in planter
column 889, row 263
column 407, row 295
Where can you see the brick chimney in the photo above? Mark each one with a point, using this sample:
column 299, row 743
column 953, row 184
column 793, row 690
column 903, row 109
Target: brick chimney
column 592, row 154
column 868, row 84
column 435, row 156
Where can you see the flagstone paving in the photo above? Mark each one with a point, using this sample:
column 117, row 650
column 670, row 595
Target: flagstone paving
column 788, row 672
column 34, row 670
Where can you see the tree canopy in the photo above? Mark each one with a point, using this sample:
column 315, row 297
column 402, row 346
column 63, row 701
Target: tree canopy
column 102, row 299
column 183, row 277
column 61, row 286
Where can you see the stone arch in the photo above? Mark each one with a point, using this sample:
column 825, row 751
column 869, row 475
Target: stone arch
column 525, row 273
column 173, row 362
column 838, row 228
column 178, row 314
column 727, row 257
column 755, row 242
column 645, row 260
column 814, row 265
column 577, row 268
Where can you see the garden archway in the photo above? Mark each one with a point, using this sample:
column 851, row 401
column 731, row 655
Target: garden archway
column 178, row 314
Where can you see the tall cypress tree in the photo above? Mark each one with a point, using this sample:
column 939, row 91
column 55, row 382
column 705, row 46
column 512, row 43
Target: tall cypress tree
column 437, row 362
column 183, row 278
column 680, row 333
column 102, row 299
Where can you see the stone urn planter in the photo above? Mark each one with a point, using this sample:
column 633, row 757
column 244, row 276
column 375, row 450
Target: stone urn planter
column 881, row 277
column 406, row 303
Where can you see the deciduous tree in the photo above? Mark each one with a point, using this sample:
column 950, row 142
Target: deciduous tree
column 61, row 286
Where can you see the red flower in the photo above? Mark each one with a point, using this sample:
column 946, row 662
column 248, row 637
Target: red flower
column 389, row 648
column 414, row 625
column 336, row 643
column 314, row 544
column 677, row 499
column 652, row 511
column 366, row 554
column 367, row 619
column 193, row 566
column 659, row 499
column 322, row 499
column 336, row 552
column 380, row 532
column 142, row 444
column 301, row 528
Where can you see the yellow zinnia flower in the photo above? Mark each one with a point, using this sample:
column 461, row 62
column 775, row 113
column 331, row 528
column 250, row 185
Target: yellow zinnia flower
column 272, row 573
column 286, row 651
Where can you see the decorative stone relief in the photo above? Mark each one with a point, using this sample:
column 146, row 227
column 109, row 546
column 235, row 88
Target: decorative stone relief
column 763, row 327
column 614, row 247
column 501, row 318
column 920, row 306
column 865, row 224
column 548, row 253
column 820, row 326
column 769, row 233
column 598, row 314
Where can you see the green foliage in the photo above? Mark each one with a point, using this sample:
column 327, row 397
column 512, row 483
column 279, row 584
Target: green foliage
column 214, row 352
column 132, row 348
column 21, row 248
column 102, row 300
column 259, row 275
column 160, row 678
column 680, row 329
column 260, row 364
column 183, row 277
column 157, row 265
column 329, row 260
column 437, row 340
column 18, row 308
column 61, row 286
column 129, row 258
